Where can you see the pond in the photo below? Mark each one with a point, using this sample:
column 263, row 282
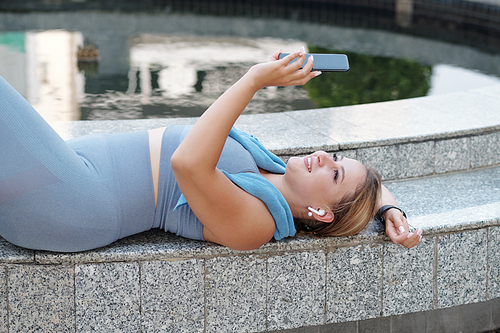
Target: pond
column 147, row 68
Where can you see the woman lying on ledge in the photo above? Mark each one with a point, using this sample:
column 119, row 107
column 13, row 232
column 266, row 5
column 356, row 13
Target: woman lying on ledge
column 209, row 182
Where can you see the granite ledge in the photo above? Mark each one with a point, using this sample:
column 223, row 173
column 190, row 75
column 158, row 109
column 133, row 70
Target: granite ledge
column 413, row 139
column 159, row 245
column 419, row 119
column 11, row 254
column 460, row 227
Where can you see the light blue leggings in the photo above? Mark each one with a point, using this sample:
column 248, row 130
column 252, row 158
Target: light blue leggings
column 69, row 196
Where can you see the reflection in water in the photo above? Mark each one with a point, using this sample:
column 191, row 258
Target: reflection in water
column 42, row 67
column 447, row 78
column 371, row 79
column 156, row 75
column 172, row 76
column 55, row 71
column 167, row 76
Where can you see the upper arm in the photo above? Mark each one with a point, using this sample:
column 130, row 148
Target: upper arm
column 230, row 216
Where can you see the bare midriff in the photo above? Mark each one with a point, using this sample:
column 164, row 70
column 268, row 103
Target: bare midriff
column 155, row 139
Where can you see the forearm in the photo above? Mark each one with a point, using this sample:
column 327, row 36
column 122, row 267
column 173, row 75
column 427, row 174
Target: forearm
column 204, row 143
column 201, row 148
column 198, row 154
column 396, row 224
column 386, row 198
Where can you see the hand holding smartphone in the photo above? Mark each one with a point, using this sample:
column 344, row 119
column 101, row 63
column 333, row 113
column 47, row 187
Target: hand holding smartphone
column 326, row 62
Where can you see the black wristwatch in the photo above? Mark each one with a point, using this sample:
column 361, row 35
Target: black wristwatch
column 380, row 213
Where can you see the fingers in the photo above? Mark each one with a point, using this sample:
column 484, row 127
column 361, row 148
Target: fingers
column 299, row 63
column 301, row 76
column 309, row 64
column 297, row 54
column 287, row 71
column 397, row 230
column 398, row 219
column 412, row 239
column 406, row 239
column 276, row 55
column 294, row 66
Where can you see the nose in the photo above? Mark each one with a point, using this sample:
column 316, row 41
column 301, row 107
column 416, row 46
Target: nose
column 325, row 158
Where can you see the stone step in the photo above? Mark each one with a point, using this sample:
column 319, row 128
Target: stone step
column 451, row 202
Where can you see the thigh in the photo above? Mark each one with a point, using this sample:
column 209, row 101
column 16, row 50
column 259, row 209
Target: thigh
column 49, row 197
column 57, row 217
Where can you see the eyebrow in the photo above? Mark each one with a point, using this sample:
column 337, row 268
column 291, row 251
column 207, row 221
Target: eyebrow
column 343, row 173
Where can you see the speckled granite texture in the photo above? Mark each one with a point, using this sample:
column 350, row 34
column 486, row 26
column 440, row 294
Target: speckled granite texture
column 354, row 291
column 441, row 162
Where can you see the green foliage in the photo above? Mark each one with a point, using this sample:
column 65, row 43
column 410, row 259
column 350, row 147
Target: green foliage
column 370, row 79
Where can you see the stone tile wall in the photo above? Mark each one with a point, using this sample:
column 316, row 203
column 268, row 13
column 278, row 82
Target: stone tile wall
column 409, row 160
column 325, row 285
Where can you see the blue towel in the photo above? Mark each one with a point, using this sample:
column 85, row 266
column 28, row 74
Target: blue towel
column 260, row 187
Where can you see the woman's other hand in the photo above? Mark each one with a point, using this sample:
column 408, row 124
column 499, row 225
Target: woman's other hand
column 280, row 72
column 397, row 229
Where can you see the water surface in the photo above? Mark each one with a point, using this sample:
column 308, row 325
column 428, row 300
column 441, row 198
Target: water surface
column 153, row 66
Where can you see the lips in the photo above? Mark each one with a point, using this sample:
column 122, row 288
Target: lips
column 308, row 163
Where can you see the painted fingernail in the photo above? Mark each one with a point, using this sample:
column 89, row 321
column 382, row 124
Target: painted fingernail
column 419, row 232
column 317, row 73
column 409, row 235
column 311, row 58
column 302, row 51
column 401, row 229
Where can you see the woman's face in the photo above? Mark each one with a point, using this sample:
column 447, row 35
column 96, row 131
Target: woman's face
column 321, row 180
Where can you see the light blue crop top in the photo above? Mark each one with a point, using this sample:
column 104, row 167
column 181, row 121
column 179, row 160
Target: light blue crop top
column 240, row 161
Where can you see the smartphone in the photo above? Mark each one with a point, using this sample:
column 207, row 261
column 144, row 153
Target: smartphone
column 326, row 62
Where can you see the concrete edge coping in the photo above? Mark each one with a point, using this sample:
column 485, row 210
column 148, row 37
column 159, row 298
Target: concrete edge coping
column 441, row 117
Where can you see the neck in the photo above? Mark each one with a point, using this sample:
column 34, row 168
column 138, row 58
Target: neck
column 278, row 181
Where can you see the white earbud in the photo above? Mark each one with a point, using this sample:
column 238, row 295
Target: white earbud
column 320, row 212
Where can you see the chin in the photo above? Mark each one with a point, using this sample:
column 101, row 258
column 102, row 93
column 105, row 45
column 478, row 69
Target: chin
column 292, row 163
column 295, row 167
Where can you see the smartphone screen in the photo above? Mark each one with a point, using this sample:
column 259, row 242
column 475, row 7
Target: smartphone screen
column 326, row 62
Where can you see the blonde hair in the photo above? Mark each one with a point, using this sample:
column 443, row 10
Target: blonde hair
column 351, row 214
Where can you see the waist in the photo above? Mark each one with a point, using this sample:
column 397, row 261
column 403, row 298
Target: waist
column 132, row 179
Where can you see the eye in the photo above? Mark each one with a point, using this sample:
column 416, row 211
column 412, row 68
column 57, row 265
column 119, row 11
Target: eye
column 337, row 158
column 335, row 175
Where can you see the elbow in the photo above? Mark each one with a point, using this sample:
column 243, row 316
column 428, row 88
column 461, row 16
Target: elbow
column 180, row 167
column 245, row 246
column 180, row 164
column 176, row 161
column 248, row 240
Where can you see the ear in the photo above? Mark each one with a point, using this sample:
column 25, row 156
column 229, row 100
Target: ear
column 327, row 218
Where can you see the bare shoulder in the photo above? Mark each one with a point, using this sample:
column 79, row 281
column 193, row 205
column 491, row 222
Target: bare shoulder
column 251, row 225
column 230, row 216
